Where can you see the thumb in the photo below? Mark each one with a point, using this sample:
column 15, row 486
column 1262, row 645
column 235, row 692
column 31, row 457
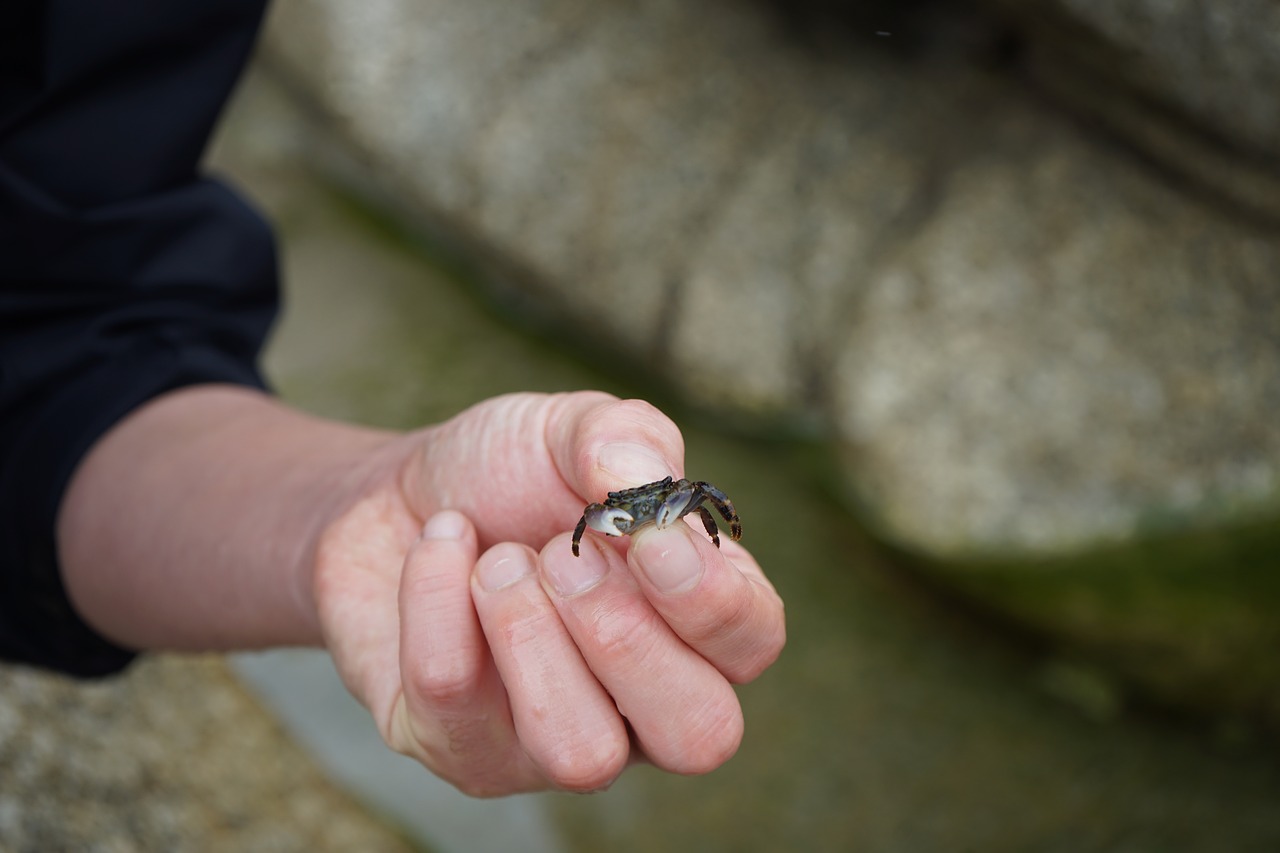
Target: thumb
column 600, row 443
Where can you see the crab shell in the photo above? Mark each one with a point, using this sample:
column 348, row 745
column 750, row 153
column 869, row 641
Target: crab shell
column 613, row 521
column 661, row 503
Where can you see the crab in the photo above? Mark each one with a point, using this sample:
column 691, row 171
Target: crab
column 660, row 503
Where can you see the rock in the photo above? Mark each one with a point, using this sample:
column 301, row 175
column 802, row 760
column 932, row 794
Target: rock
column 964, row 280
column 1029, row 345
column 173, row 755
column 1190, row 84
column 1062, row 353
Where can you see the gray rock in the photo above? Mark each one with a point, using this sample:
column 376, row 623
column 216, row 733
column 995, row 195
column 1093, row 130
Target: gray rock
column 1026, row 342
column 1191, row 84
column 174, row 755
column 1062, row 353
column 1024, row 338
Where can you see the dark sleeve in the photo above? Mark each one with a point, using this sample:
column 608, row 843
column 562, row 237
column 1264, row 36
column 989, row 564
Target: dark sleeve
column 123, row 272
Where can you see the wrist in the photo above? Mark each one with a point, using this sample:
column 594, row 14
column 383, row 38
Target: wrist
column 190, row 524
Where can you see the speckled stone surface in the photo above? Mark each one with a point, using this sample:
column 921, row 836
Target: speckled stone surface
column 1191, row 84
column 1061, row 353
column 1021, row 336
column 173, row 755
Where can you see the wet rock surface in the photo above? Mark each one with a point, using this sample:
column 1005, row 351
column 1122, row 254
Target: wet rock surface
column 1188, row 84
column 965, row 282
column 1029, row 335
column 173, row 755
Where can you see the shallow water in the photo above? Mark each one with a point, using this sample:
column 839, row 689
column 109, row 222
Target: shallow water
column 894, row 720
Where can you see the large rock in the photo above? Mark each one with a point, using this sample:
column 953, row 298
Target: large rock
column 1030, row 346
column 1190, row 84
column 173, row 755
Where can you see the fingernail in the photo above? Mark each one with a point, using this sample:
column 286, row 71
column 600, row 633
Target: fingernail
column 633, row 463
column 668, row 559
column 501, row 573
column 444, row 525
column 570, row 575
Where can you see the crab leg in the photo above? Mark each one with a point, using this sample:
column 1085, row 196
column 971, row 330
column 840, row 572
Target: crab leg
column 725, row 506
column 710, row 524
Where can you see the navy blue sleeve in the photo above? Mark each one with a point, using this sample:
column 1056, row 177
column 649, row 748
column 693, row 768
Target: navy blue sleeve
column 124, row 273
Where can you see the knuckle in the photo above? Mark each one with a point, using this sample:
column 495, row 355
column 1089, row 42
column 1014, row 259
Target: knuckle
column 763, row 650
column 491, row 782
column 588, row 766
column 481, row 789
column 742, row 634
column 443, row 683
column 484, row 787
column 528, row 628
column 730, row 614
column 710, row 743
column 622, row 631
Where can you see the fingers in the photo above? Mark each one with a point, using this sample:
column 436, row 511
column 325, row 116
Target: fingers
column 683, row 712
column 453, row 714
column 496, row 697
column 523, row 671
column 567, row 724
column 735, row 618
column 716, row 599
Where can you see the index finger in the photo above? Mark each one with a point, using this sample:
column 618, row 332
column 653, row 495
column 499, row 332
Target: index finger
column 717, row 600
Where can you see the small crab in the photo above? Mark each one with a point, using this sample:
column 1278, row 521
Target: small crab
column 660, row 503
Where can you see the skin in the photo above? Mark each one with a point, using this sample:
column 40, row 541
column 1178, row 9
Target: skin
column 435, row 567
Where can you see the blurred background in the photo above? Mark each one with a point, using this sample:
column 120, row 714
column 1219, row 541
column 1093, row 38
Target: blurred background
column 970, row 307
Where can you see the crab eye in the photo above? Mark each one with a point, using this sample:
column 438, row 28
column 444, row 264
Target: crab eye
column 672, row 508
column 610, row 521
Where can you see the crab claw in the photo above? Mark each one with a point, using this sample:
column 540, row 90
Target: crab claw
column 672, row 508
column 606, row 519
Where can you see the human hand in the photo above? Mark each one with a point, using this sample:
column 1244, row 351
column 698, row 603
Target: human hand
column 518, row 669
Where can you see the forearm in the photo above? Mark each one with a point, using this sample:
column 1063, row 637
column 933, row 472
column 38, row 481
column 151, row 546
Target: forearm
column 193, row 523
